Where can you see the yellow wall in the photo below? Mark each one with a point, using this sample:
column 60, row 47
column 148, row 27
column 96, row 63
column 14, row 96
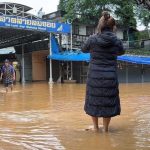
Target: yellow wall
column 39, row 65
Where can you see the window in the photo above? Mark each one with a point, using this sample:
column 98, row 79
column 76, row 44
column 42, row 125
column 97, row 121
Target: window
column 75, row 29
column 90, row 30
column 52, row 15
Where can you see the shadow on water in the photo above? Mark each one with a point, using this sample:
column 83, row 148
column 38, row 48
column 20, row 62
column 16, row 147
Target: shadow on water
column 39, row 116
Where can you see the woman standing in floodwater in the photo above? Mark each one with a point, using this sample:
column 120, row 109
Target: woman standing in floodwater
column 102, row 93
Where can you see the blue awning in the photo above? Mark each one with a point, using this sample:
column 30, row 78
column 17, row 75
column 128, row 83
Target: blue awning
column 70, row 55
column 135, row 59
column 73, row 56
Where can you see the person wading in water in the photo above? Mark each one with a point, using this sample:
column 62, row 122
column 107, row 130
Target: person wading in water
column 102, row 93
column 8, row 75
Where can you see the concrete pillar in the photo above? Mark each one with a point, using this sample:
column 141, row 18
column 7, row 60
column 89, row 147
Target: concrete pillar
column 50, row 61
column 23, row 68
column 127, row 73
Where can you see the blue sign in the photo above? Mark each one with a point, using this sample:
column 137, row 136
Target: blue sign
column 41, row 25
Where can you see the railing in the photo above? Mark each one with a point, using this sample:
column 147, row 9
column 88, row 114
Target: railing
column 78, row 40
column 138, row 44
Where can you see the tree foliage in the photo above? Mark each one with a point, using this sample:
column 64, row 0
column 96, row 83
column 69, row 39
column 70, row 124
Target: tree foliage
column 84, row 9
column 88, row 11
column 143, row 35
column 62, row 5
column 125, row 13
column 144, row 16
column 145, row 3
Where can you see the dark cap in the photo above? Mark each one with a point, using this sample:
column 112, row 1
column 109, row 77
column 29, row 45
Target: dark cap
column 6, row 61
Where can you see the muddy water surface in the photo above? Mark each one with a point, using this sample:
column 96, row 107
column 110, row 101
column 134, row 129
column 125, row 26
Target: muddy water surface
column 42, row 117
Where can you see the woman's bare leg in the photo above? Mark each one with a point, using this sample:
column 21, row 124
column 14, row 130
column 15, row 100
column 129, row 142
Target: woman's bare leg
column 95, row 123
column 11, row 87
column 6, row 89
column 106, row 122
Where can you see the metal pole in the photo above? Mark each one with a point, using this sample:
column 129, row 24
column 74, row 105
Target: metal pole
column 142, row 74
column 23, row 68
column 128, row 38
column 67, row 71
column 50, row 61
column 71, row 71
column 5, row 9
column 71, row 38
column 71, row 49
column 127, row 80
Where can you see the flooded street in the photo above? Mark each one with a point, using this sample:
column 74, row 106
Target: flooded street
column 42, row 117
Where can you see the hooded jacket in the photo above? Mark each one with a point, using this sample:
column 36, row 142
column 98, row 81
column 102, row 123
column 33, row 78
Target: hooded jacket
column 104, row 48
column 102, row 93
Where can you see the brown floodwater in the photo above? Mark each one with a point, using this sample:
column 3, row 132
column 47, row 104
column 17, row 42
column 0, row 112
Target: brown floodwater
column 40, row 116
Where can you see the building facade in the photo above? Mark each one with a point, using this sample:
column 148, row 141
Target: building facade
column 36, row 49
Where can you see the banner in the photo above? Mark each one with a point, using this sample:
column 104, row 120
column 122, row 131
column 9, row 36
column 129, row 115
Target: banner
column 41, row 25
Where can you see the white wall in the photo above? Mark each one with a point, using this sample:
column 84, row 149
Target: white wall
column 82, row 30
column 119, row 34
column 27, row 65
column 147, row 44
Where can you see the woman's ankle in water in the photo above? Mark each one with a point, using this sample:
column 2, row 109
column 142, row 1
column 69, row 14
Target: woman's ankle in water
column 106, row 130
column 96, row 128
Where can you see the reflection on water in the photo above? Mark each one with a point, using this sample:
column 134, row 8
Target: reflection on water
column 42, row 117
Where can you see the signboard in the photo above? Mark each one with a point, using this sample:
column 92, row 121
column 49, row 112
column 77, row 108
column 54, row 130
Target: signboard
column 41, row 25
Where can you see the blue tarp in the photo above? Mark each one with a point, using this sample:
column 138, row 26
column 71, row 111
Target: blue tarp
column 79, row 56
column 135, row 59
column 70, row 56
column 55, row 45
